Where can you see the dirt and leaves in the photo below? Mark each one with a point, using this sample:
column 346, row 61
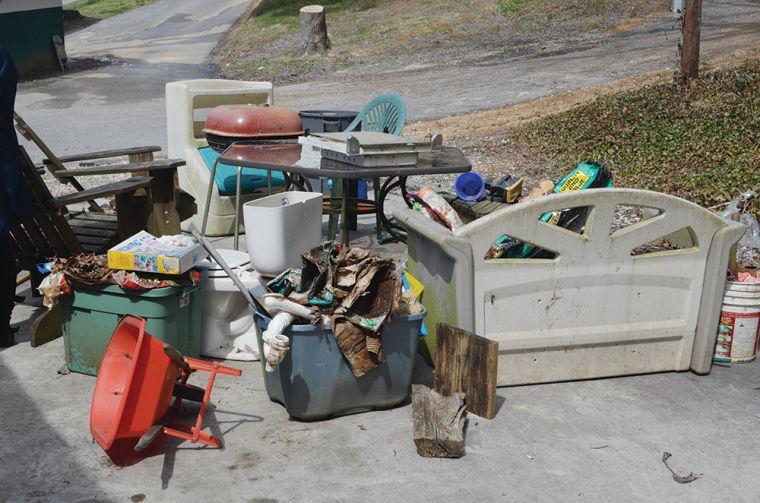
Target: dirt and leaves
column 370, row 36
column 698, row 141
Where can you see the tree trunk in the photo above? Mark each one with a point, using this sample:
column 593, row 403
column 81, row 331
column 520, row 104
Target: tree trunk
column 690, row 40
column 313, row 29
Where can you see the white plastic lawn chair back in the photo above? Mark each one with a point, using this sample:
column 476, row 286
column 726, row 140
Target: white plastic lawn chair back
column 187, row 104
column 595, row 309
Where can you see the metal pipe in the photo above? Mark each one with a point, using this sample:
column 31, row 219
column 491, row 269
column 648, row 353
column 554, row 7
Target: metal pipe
column 209, row 193
column 237, row 206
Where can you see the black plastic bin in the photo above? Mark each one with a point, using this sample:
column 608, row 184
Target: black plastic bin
column 326, row 121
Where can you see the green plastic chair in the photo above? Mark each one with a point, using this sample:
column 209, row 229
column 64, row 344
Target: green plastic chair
column 386, row 113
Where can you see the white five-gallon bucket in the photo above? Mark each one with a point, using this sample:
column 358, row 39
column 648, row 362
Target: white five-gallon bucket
column 280, row 227
column 739, row 326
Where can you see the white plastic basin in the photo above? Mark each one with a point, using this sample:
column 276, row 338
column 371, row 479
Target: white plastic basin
column 280, row 227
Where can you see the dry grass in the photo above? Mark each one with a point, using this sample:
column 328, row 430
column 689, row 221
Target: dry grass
column 367, row 33
column 101, row 9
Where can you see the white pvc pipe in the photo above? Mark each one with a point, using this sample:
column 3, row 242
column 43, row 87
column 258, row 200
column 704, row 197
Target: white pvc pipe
column 284, row 311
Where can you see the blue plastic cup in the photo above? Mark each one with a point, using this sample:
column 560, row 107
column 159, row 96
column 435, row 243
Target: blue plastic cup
column 470, row 186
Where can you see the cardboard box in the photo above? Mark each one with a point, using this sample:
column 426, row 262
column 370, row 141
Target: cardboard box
column 143, row 252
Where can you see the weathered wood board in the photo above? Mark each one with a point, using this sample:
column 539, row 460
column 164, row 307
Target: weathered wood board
column 467, row 363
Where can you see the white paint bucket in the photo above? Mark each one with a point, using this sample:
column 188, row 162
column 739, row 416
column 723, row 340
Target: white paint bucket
column 739, row 327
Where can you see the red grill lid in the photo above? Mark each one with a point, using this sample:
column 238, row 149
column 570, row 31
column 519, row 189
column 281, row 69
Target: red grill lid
column 253, row 121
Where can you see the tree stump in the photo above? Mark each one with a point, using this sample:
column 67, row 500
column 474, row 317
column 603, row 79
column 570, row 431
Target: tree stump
column 313, row 29
column 438, row 423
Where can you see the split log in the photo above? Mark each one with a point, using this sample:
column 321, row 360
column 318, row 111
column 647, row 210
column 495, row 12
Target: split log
column 467, row 363
column 438, row 423
column 313, row 29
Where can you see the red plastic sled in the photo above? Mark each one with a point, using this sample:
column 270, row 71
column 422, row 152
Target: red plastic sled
column 138, row 376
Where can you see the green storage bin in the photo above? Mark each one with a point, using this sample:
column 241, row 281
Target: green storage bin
column 90, row 314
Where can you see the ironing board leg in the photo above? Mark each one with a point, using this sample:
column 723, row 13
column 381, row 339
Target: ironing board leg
column 237, row 206
column 209, row 193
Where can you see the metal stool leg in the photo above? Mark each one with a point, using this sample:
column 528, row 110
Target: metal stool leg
column 237, row 206
column 208, row 196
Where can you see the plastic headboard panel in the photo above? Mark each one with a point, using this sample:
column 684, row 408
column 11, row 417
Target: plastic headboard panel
column 594, row 310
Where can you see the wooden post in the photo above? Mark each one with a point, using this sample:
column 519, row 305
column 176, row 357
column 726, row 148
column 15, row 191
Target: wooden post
column 438, row 423
column 690, row 40
column 313, row 29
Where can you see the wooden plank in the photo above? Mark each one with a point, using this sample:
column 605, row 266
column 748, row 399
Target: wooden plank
column 60, row 233
column 66, row 232
column 104, row 225
column 186, row 206
column 111, row 189
column 47, row 327
column 56, row 165
column 467, row 363
column 41, row 246
column 45, row 225
column 94, row 231
column 140, row 157
column 117, row 169
column 102, row 217
column 105, row 154
column 23, row 243
column 92, row 248
column 438, row 423
column 95, row 240
column 132, row 211
column 23, row 278
column 163, row 218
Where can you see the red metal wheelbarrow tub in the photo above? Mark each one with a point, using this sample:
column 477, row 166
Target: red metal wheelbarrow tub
column 138, row 376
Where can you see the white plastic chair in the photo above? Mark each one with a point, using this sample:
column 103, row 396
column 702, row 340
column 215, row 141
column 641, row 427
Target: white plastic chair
column 187, row 103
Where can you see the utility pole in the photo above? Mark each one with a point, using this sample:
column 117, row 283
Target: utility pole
column 690, row 40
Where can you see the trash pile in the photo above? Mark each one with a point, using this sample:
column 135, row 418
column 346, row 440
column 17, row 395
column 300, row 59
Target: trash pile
column 93, row 269
column 586, row 175
column 352, row 290
column 745, row 265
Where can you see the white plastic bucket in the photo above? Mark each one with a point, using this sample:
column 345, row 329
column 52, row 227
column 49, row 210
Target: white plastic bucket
column 739, row 327
column 280, row 227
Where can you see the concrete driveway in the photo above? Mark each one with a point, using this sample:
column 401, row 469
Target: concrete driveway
column 599, row 440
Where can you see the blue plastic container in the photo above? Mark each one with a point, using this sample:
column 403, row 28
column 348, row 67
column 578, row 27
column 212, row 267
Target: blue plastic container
column 470, row 186
column 314, row 381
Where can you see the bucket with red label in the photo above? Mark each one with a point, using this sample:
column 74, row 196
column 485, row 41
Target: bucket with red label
column 739, row 327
